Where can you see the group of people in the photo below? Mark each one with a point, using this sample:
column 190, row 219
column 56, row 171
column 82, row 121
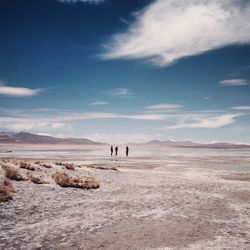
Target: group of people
column 116, row 150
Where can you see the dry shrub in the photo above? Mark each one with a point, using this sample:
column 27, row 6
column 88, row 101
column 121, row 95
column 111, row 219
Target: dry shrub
column 6, row 191
column 15, row 162
column 5, row 160
column 65, row 180
column 13, row 174
column 26, row 165
column 36, row 179
column 69, row 166
column 45, row 165
column 37, row 162
column 102, row 167
column 58, row 163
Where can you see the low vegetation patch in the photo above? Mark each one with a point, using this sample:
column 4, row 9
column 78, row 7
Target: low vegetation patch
column 69, row 166
column 36, row 179
column 45, row 165
column 26, row 165
column 65, row 180
column 42, row 164
column 13, row 174
column 102, row 167
column 7, row 191
column 5, row 160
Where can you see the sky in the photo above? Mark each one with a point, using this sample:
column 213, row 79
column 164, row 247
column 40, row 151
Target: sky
column 126, row 71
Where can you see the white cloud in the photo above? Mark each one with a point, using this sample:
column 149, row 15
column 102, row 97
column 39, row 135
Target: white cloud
column 61, row 121
column 163, row 107
column 79, row 116
column 122, row 93
column 241, row 108
column 60, row 125
column 32, row 124
column 166, row 31
column 17, row 91
column 146, row 117
column 121, row 138
column 233, row 82
column 82, row 1
column 97, row 103
column 215, row 121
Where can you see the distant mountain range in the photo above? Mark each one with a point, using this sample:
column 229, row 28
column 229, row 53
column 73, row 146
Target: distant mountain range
column 190, row 144
column 28, row 138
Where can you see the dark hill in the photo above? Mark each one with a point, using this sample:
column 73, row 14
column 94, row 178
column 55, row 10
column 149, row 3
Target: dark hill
column 28, row 138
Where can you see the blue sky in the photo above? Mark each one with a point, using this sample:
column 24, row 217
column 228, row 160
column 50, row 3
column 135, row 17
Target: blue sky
column 126, row 71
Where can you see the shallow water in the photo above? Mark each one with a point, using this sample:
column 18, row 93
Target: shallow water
column 237, row 159
column 72, row 151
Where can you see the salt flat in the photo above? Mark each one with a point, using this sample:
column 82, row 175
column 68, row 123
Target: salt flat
column 160, row 198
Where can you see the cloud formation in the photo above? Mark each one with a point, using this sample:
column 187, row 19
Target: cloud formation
column 32, row 125
column 120, row 138
column 163, row 107
column 166, row 31
column 122, row 93
column 213, row 121
column 233, row 82
column 82, row 1
column 99, row 103
column 241, row 108
column 17, row 91
column 56, row 121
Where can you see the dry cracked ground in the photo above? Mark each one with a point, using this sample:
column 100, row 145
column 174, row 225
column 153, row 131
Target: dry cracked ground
column 147, row 203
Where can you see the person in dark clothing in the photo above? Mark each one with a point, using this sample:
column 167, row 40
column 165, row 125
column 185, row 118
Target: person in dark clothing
column 116, row 150
column 111, row 150
column 127, row 150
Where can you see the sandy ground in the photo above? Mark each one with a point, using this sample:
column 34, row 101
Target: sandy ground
column 175, row 200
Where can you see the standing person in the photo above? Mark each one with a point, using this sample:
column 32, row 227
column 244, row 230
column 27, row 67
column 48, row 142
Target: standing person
column 116, row 150
column 127, row 149
column 111, row 150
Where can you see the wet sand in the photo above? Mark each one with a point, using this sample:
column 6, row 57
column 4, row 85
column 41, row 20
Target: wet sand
column 168, row 199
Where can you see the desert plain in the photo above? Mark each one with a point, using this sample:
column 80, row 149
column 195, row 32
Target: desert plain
column 157, row 198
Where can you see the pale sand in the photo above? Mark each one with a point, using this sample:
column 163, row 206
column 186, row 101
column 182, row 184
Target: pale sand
column 182, row 199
